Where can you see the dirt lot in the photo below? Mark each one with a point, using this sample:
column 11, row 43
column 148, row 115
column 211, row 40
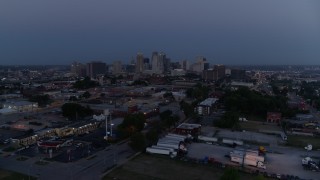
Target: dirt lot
column 146, row 167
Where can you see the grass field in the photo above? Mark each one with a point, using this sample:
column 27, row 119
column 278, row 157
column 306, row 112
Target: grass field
column 9, row 175
column 303, row 141
column 146, row 167
column 256, row 126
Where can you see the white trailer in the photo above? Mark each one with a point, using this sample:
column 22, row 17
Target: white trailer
column 175, row 137
column 227, row 141
column 161, row 147
column 249, row 159
column 179, row 146
column 163, row 144
column 169, row 141
column 208, row 139
column 254, row 162
column 257, row 158
column 161, row 151
column 232, row 142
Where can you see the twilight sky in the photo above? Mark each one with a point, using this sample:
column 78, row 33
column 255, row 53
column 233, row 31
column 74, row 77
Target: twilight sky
column 224, row 31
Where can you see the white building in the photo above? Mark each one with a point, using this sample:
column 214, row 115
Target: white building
column 178, row 72
column 21, row 106
column 205, row 107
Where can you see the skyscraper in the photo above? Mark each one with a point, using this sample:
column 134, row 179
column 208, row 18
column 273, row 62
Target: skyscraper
column 117, row 67
column 139, row 63
column 200, row 65
column 95, row 68
column 161, row 63
column 157, row 62
column 185, row 65
column 78, row 69
column 154, row 61
column 220, row 71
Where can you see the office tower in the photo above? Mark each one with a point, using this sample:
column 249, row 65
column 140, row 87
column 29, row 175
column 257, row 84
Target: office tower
column 184, row 65
column 139, row 63
column 95, row 68
column 200, row 65
column 157, row 62
column 154, row 61
column 220, row 71
column 161, row 62
column 78, row 69
column 167, row 65
column 117, row 67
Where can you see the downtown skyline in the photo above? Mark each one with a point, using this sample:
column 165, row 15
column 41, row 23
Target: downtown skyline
column 225, row 32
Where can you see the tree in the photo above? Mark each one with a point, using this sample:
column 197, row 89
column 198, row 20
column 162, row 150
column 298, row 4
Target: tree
column 73, row 110
column 230, row 174
column 86, row 95
column 138, row 141
column 187, row 109
column 42, row 100
column 229, row 120
column 165, row 114
column 152, row 136
column 73, row 98
column 133, row 123
column 86, row 83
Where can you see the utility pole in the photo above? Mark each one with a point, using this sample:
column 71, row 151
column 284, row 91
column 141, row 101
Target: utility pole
column 106, row 114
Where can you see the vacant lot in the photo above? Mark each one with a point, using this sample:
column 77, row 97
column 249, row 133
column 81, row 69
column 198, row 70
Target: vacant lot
column 146, row 167
column 9, row 175
column 303, row 141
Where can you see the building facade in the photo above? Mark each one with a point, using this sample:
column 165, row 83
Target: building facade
column 95, row 68
column 139, row 63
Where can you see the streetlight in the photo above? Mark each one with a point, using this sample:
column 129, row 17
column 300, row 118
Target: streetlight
column 111, row 129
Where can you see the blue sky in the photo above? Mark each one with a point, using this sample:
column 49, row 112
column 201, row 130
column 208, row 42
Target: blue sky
column 224, row 31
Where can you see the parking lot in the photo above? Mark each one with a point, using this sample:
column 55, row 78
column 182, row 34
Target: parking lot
column 287, row 161
column 249, row 136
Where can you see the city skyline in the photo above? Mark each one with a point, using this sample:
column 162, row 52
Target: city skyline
column 225, row 32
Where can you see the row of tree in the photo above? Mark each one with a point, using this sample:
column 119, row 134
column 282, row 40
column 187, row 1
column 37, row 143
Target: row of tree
column 247, row 102
column 133, row 124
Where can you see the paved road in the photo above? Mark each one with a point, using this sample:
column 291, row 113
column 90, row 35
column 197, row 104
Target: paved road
column 82, row 169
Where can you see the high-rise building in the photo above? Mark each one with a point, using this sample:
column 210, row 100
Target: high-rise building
column 117, row 67
column 200, row 65
column 220, row 71
column 214, row 74
column 78, row 69
column 154, row 61
column 157, row 62
column 95, row 68
column 185, row 65
column 162, row 62
column 139, row 63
